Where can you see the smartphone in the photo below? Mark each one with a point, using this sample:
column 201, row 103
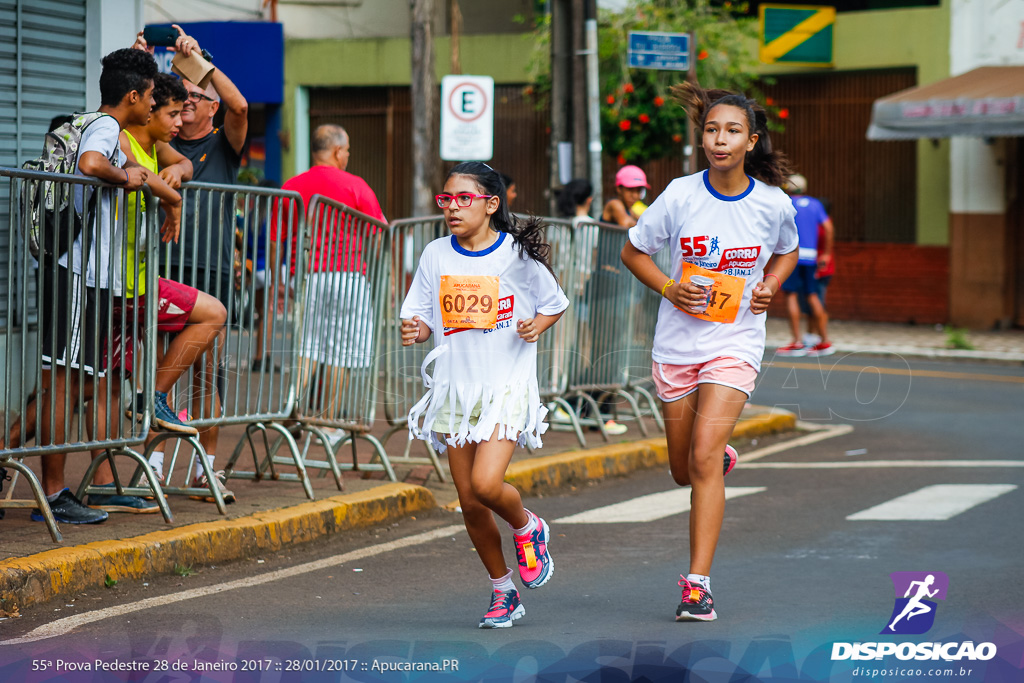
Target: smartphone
column 160, row 35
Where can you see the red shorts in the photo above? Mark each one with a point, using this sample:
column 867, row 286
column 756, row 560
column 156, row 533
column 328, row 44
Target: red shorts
column 673, row 382
column 175, row 303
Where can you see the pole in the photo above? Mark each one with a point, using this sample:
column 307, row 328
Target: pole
column 424, row 108
column 690, row 156
column 561, row 96
column 594, row 111
column 456, row 34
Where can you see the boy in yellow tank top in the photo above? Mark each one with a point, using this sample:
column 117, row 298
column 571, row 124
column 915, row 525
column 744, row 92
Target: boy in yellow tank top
column 193, row 317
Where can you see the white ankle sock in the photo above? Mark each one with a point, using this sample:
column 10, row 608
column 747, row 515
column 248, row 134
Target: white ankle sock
column 704, row 581
column 199, row 466
column 531, row 524
column 504, row 584
column 156, row 461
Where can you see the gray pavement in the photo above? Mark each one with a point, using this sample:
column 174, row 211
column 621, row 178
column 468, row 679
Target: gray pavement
column 799, row 565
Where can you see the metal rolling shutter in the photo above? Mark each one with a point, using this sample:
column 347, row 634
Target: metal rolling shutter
column 42, row 75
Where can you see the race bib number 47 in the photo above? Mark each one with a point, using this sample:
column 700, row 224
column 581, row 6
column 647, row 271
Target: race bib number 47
column 469, row 301
column 725, row 297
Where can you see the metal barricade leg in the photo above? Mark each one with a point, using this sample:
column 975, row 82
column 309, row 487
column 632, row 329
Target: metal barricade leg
column 37, row 491
column 636, row 410
column 378, row 447
column 142, row 467
column 655, row 411
column 574, row 419
column 432, row 456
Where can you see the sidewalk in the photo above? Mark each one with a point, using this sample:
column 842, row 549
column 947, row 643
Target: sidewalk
column 271, row 515
column 926, row 341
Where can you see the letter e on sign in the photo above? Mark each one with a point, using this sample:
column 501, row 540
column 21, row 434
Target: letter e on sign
column 467, row 118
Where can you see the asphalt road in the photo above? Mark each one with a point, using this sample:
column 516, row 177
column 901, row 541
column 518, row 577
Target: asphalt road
column 808, row 546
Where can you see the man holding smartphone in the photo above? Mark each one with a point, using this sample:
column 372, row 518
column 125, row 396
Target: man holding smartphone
column 204, row 259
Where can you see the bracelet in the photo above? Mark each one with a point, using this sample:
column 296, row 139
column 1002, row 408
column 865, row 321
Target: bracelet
column 768, row 275
column 667, row 285
column 127, row 178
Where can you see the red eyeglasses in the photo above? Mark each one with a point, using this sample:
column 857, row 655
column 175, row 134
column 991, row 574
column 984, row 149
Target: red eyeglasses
column 464, row 199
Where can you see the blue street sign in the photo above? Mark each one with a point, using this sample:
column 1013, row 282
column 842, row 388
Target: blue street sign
column 654, row 50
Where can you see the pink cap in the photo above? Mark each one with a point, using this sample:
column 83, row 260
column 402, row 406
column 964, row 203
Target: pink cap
column 631, row 176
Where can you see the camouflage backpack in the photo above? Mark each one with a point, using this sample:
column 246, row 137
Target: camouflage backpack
column 53, row 221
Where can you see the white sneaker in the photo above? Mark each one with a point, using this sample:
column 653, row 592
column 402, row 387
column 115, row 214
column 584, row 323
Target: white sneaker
column 335, row 436
column 200, row 483
column 559, row 415
column 811, row 340
column 613, row 428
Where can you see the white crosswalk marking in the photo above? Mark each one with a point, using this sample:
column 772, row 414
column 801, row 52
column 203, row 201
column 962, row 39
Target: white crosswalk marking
column 942, row 501
column 649, row 508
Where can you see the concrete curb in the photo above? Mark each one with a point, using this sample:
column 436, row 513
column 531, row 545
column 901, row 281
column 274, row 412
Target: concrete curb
column 573, row 467
column 40, row 577
column 66, row 571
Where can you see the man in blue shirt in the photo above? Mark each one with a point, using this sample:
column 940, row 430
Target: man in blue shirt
column 810, row 217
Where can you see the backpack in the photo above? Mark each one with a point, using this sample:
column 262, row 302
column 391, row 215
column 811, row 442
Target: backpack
column 50, row 205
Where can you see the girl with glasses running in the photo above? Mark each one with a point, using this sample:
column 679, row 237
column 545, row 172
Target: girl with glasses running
column 486, row 293
column 733, row 242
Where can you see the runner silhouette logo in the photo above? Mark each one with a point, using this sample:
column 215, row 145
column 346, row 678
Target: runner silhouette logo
column 916, row 593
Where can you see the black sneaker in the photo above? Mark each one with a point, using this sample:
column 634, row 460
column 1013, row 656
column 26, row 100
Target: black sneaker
column 164, row 417
column 69, row 510
column 116, row 503
column 697, row 604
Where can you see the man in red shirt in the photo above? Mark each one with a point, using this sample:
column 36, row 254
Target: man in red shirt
column 338, row 316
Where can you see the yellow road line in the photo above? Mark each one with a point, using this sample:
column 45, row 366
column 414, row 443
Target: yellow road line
column 797, row 35
column 938, row 374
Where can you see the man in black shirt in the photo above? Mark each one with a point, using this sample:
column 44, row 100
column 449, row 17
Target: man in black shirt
column 204, row 258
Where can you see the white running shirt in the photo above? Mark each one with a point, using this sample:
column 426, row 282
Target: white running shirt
column 733, row 235
column 492, row 372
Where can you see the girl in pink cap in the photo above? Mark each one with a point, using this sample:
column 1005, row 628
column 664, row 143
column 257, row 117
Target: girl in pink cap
column 630, row 188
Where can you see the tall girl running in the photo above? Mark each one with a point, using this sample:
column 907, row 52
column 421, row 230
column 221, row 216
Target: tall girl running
column 488, row 293
column 732, row 224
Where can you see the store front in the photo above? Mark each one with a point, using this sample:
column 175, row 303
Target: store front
column 984, row 110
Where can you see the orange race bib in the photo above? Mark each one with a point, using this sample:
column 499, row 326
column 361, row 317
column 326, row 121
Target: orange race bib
column 469, row 301
column 725, row 297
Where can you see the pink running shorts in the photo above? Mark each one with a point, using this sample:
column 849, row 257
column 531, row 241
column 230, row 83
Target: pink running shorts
column 673, row 382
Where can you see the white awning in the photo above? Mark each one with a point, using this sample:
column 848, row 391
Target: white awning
column 986, row 102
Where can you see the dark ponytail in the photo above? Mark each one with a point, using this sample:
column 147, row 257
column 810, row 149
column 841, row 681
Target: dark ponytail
column 529, row 233
column 763, row 162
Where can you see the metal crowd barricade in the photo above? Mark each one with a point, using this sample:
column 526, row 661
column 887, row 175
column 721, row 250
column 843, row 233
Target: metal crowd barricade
column 608, row 341
column 639, row 364
column 403, row 385
column 344, row 301
column 224, row 228
column 557, row 352
column 72, row 351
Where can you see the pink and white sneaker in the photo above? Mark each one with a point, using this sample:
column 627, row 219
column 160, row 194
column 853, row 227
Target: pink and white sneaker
column 731, row 457
column 505, row 608
column 535, row 563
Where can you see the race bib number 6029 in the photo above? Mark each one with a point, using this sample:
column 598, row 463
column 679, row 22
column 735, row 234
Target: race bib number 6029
column 469, row 301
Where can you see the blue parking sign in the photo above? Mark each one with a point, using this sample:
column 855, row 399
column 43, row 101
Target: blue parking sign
column 656, row 50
